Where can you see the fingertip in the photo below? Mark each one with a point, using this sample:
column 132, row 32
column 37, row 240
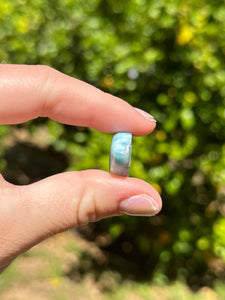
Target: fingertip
column 126, row 187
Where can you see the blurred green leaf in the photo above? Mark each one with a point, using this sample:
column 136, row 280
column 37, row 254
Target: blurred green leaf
column 166, row 57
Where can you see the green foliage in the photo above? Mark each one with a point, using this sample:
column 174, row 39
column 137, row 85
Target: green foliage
column 166, row 57
column 219, row 242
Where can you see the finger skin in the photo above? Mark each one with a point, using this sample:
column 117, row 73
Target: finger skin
column 29, row 92
column 31, row 213
column 61, row 202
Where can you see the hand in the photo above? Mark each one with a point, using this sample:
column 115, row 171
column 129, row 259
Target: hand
column 29, row 214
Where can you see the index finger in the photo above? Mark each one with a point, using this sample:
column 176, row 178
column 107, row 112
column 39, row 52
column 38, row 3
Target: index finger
column 28, row 92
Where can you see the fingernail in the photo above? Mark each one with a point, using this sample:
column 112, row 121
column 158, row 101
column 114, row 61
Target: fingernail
column 145, row 114
column 139, row 205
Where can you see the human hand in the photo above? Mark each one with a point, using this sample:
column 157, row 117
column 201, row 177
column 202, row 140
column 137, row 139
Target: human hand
column 29, row 214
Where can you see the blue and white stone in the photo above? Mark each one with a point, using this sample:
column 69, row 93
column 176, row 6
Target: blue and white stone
column 120, row 153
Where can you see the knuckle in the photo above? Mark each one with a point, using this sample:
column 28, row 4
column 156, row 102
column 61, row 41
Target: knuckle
column 86, row 208
column 45, row 84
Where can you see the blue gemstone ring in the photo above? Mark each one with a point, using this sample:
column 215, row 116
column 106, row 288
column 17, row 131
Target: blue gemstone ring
column 120, row 153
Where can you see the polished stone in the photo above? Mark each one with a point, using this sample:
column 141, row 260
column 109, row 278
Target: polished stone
column 120, row 153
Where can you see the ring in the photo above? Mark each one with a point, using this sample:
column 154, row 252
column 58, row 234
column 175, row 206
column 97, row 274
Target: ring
column 120, row 153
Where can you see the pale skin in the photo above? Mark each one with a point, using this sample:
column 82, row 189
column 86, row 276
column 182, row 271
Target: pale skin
column 29, row 214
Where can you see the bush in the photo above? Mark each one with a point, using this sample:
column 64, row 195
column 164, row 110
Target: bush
column 166, row 57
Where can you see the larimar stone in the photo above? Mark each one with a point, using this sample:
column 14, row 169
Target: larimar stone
column 120, row 153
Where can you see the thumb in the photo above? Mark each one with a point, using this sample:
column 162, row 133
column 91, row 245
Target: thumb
column 66, row 200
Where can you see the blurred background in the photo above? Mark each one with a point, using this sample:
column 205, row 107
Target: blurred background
column 168, row 58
